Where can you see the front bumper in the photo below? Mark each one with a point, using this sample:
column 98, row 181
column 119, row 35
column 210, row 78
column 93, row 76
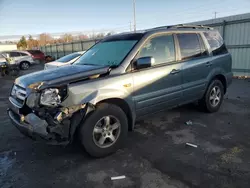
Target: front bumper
column 32, row 126
column 56, row 131
column 35, row 129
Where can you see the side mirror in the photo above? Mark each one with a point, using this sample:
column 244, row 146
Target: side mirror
column 144, row 62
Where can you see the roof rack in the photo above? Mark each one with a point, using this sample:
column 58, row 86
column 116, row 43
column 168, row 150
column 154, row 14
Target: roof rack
column 192, row 26
column 184, row 26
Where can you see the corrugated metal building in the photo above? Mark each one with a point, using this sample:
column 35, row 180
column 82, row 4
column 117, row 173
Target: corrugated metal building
column 236, row 32
column 7, row 47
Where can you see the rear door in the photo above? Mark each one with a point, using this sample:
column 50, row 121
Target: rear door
column 157, row 87
column 15, row 55
column 196, row 65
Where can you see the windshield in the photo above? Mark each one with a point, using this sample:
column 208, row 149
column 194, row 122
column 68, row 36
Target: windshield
column 109, row 53
column 68, row 58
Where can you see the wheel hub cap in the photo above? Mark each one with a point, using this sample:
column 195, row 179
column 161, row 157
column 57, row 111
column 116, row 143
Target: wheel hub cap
column 106, row 131
column 215, row 96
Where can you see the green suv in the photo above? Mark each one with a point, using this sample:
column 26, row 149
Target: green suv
column 122, row 78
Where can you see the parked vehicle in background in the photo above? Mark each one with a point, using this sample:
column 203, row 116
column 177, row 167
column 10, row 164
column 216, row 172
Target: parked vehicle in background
column 37, row 55
column 21, row 58
column 65, row 60
column 49, row 58
column 120, row 79
column 8, row 66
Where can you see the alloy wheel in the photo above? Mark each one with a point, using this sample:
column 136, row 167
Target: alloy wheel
column 106, row 131
column 215, row 96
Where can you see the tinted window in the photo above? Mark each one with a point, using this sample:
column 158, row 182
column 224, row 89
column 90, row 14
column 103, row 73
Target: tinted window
column 35, row 51
column 161, row 48
column 14, row 54
column 216, row 42
column 23, row 54
column 189, row 45
column 67, row 58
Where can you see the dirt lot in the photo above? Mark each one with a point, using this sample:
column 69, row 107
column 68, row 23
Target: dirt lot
column 155, row 154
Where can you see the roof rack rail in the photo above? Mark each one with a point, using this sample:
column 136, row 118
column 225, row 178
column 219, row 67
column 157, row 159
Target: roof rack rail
column 191, row 26
column 184, row 26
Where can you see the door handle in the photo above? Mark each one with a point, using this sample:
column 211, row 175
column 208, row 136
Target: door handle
column 175, row 71
column 208, row 64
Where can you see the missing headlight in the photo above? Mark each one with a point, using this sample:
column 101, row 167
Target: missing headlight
column 50, row 97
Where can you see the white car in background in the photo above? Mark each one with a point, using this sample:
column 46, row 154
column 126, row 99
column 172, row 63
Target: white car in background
column 65, row 60
column 23, row 59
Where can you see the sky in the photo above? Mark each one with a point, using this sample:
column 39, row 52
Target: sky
column 22, row 17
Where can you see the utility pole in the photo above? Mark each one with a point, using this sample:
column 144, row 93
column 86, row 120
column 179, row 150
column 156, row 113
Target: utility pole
column 215, row 13
column 134, row 16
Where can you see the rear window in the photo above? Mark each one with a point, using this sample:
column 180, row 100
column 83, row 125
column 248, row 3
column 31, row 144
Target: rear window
column 190, row 46
column 215, row 42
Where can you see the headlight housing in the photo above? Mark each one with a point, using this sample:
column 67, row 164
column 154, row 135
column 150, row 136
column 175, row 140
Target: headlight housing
column 50, row 97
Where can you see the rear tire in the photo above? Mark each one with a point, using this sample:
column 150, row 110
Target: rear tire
column 24, row 65
column 213, row 97
column 98, row 134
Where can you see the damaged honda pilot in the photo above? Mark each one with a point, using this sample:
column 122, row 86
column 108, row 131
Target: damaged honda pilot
column 122, row 78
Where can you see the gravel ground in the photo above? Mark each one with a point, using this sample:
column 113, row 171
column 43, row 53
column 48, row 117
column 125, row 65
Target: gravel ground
column 155, row 154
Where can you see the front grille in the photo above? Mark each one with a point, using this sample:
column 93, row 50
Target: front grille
column 19, row 93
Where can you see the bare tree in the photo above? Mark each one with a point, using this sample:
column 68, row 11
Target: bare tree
column 44, row 39
column 67, row 38
column 32, row 43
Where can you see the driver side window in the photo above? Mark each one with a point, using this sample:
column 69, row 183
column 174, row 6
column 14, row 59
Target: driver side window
column 161, row 48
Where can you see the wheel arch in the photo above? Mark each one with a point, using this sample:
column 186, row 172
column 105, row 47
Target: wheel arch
column 223, row 80
column 124, row 106
column 24, row 61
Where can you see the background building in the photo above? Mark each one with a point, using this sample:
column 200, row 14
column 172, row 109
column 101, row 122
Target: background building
column 236, row 32
column 7, row 47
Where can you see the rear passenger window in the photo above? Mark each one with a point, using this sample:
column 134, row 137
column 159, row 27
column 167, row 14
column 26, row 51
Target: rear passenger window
column 190, row 46
column 23, row 54
column 215, row 42
column 161, row 48
column 14, row 54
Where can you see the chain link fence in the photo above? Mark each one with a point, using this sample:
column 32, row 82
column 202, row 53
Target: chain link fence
column 62, row 49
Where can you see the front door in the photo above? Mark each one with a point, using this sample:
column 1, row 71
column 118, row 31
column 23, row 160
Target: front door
column 157, row 87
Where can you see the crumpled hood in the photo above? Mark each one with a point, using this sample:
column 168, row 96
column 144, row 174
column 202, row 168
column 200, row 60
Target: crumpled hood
column 64, row 74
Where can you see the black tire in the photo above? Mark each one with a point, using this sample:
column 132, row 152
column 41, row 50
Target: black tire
column 24, row 65
column 206, row 103
column 87, row 128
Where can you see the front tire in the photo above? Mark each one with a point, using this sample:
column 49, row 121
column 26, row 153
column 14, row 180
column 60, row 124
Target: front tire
column 213, row 97
column 104, row 131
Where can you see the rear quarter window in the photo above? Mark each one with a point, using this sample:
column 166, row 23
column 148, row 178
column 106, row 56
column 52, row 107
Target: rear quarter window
column 216, row 42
